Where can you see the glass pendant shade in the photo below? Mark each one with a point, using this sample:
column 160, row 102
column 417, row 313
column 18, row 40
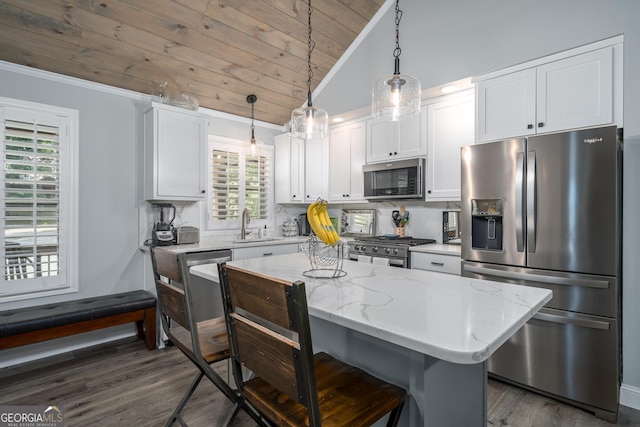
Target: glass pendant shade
column 396, row 98
column 309, row 122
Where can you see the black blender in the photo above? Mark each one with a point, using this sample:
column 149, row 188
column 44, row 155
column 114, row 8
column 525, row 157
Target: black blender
column 163, row 216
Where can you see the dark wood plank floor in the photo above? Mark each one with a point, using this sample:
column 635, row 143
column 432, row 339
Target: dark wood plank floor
column 124, row 384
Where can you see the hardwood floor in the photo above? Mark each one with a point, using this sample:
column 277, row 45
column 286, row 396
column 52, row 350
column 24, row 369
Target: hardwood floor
column 124, row 384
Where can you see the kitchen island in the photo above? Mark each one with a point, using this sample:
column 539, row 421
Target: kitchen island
column 430, row 333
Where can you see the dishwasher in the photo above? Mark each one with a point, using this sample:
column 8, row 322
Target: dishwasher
column 207, row 297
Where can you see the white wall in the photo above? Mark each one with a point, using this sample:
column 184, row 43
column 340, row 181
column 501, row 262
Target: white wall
column 446, row 40
column 110, row 190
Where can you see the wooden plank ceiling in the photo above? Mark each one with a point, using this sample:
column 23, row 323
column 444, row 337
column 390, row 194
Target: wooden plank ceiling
column 218, row 51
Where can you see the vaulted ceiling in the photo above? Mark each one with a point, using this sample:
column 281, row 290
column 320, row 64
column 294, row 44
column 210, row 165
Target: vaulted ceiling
column 218, row 51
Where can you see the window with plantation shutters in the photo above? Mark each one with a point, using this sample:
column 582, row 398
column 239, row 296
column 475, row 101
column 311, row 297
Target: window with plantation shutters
column 36, row 199
column 238, row 179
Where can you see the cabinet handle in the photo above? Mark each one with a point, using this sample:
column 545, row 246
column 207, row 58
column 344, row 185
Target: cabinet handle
column 429, row 191
column 437, row 264
column 203, row 191
column 529, row 126
column 395, row 153
column 540, row 124
column 267, row 254
column 391, row 154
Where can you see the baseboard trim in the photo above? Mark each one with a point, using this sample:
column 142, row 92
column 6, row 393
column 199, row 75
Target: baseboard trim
column 630, row 396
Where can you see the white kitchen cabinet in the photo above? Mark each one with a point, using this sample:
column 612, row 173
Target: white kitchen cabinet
column 175, row 147
column 450, row 126
column 347, row 146
column 387, row 140
column 576, row 91
column 436, row 262
column 266, row 250
column 301, row 169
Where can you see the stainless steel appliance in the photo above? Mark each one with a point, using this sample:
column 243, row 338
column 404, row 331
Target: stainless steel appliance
column 163, row 216
column 395, row 249
column 186, row 234
column 545, row 211
column 304, row 227
column 402, row 179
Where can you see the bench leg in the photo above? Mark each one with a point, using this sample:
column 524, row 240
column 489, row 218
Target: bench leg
column 149, row 328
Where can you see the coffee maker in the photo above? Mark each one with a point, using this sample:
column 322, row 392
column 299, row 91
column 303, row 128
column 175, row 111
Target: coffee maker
column 163, row 216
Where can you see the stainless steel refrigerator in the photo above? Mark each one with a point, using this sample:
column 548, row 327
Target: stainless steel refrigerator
column 545, row 211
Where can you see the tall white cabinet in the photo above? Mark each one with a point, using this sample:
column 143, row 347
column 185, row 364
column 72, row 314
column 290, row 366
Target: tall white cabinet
column 175, row 147
column 450, row 126
column 347, row 147
column 574, row 89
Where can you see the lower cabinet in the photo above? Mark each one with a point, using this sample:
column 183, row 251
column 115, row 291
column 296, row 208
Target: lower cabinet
column 267, row 250
column 435, row 262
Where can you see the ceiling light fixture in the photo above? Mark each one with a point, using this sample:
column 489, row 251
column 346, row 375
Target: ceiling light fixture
column 396, row 97
column 251, row 99
column 309, row 122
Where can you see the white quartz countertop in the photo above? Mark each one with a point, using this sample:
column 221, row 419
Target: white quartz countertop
column 437, row 248
column 453, row 318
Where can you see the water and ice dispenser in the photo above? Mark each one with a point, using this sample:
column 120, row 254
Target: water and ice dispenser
column 486, row 224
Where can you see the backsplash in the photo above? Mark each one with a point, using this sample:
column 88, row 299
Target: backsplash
column 425, row 220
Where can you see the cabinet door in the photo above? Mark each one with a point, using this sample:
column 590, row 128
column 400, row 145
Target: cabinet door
column 450, row 126
column 282, row 168
column 314, row 169
column 297, row 170
column 357, row 144
column 266, row 250
column 411, row 140
column 576, row 92
column 347, row 154
column 506, row 106
column 176, row 144
column 339, row 164
column 382, row 139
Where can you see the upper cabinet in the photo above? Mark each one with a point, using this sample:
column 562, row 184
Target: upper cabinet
column 580, row 90
column 388, row 140
column 347, row 143
column 301, row 169
column 175, row 147
column 450, row 126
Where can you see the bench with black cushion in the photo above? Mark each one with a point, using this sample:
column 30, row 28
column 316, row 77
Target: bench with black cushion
column 40, row 323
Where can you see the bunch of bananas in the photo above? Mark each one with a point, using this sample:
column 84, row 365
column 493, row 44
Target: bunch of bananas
column 321, row 224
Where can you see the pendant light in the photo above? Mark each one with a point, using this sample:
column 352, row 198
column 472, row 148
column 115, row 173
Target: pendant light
column 309, row 122
column 251, row 99
column 396, row 97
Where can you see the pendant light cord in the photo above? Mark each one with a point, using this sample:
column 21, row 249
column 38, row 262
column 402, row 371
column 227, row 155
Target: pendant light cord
column 397, row 51
column 310, row 46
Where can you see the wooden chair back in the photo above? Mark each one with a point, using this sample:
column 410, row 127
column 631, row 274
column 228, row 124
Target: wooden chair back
column 169, row 271
column 268, row 324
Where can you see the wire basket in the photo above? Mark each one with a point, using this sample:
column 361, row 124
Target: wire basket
column 326, row 261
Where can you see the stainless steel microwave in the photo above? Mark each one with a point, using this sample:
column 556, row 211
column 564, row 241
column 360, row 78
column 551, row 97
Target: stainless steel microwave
column 402, row 179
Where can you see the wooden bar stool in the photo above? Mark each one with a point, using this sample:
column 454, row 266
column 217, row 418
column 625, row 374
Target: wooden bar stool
column 204, row 342
column 268, row 323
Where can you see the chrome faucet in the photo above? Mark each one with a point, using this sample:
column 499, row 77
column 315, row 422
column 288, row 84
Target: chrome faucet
column 245, row 220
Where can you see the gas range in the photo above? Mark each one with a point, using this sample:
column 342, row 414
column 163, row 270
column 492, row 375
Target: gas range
column 395, row 249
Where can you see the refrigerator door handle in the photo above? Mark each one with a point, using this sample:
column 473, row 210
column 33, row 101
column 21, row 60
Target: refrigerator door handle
column 531, row 201
column 532, row 277
column 519, row 202
column 593, row 324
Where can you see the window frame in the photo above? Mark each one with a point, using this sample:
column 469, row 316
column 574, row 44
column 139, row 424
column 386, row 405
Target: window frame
column 244, row 149
column 66, row 281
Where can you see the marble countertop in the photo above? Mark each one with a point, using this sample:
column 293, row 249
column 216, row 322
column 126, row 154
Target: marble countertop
column 437, row 248
column 457, row 319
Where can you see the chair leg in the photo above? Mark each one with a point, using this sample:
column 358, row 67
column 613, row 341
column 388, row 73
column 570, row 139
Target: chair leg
column 232, row 415
column 394, row 415
column 176, row 414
